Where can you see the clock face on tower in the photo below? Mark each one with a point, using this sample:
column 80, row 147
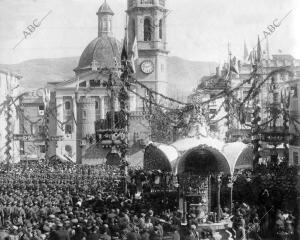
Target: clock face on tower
column 147, row 66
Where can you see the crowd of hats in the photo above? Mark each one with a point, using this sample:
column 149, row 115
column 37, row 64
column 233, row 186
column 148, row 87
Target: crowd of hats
column 37, row 199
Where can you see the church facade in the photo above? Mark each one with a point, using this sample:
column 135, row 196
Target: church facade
column 80, row 106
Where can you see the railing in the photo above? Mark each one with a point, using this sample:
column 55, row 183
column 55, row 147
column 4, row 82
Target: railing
column 152, row 45
column 147, row 1
column 145, row 45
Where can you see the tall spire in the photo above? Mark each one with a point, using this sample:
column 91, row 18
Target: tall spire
column 259, row 52
column 105, row 15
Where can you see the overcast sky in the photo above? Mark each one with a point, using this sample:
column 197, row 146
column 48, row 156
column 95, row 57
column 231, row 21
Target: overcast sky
column 197, row 29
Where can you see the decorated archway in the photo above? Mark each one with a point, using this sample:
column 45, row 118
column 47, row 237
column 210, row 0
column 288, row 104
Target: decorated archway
column 203, row 167
column 199, row 172
column 202, row 160
column 113, row 159
column 245, row 159
column 159, row 157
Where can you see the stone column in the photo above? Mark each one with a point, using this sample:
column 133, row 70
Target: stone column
column 155, row 36
column 184, row 211
column 74, row 98
column 230, row 185
column 209, row 194
column 140, row 30
column 102, row 107
column 75, row 125
column 219, row 182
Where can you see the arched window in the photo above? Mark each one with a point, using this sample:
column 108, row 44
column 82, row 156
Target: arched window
column 147, row 30
column 68, row 129
column 96, row 104
column 67, row 105
column 109, row 25
column 68, row 149
column 84, row 115
column 105, row 25
column 160, row 29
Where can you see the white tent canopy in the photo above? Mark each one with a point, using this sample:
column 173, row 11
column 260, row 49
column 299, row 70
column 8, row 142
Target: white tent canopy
column 226, row 155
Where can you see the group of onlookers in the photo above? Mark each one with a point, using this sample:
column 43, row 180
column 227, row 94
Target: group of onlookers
column 76, row 202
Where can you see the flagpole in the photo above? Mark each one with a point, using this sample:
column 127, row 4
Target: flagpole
column 126, row 32
column 229, row 65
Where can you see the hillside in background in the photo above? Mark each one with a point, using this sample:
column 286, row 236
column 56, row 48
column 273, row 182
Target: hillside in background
column 183, row 75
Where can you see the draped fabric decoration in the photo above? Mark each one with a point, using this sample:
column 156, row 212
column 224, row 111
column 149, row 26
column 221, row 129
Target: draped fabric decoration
column 255, row 135
column 9, row 132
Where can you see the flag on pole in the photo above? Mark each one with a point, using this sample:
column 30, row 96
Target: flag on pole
column 252, row 57
column 46, row 97
column 124, row 54
column 134, row 54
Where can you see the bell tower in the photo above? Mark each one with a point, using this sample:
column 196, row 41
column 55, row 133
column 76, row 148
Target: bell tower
column 105, row 16
column 147, row 23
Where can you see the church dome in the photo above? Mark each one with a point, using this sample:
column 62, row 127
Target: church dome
column 105, row 8
column 103, row 51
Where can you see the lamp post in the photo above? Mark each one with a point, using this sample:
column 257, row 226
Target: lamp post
column 219, row 182
column 230, row 185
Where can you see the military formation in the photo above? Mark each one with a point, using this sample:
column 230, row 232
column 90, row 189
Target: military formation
column 61, row 201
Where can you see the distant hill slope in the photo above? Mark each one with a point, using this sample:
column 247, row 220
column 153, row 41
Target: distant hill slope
column 183, row 75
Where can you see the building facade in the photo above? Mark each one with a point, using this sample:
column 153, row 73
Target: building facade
column 9, row 122
column 82, row 106
column 272, row 93
column 32, row 127
column 294, row 146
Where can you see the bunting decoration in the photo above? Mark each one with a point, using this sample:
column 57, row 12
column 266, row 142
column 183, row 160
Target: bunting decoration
column 9, row 132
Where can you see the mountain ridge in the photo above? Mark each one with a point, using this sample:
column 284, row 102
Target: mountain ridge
column 183, row 75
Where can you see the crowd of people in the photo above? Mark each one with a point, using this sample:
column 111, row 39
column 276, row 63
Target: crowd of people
column 258, row 222
column 62, row 201
column 76, row 202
